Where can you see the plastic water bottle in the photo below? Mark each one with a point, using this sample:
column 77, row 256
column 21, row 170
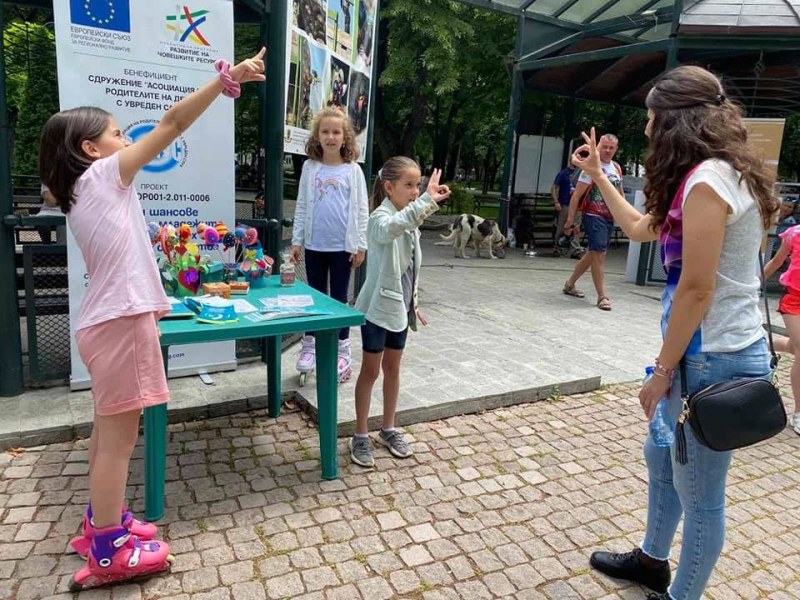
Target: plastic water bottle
column 662, row 430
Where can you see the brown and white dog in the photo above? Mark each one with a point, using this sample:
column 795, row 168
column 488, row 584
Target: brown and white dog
column 483, row 233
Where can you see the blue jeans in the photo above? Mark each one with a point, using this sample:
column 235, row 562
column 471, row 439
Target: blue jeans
column 695, row 490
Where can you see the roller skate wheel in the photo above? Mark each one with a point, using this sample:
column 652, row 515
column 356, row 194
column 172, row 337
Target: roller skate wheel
column 170, row 559
column 303, row 378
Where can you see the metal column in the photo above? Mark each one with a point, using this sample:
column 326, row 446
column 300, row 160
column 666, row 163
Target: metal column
column 361, row 272
column 511, row 131
column 11, row 376
column 273, row 113
column 643, row 269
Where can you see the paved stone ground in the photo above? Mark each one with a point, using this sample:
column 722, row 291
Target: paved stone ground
column 504, row 504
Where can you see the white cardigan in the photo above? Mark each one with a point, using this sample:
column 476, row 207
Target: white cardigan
column 358, row 215
column 391, row 246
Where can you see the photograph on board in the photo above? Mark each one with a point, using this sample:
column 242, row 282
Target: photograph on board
column 341, row 27
column 298, row 97
column 358, row 104
column 339, row 77
column 366, row 34
column 309, row 15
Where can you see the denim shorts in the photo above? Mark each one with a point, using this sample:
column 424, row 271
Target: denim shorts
column 375, row 339
column 598, row 233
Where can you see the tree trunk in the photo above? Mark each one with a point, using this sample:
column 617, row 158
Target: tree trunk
column 487, row 170
column 416, row 120
column 386, row 137
column 452, row 160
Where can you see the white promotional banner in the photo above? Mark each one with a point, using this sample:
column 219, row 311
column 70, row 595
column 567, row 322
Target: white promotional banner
column 329, row 62
column 135, row 59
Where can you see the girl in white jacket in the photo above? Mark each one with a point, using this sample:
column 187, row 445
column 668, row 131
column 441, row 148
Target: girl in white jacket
column 330, row 221
column 389, row 295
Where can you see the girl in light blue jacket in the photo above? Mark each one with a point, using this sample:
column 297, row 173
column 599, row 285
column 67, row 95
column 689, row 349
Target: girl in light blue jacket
column 389, row 295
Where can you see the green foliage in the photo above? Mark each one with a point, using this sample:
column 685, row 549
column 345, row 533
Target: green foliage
column 789, row 168
column 15, row 51
column 461, row 201
column 39, row 99
column 443, row 92
column 246, row 44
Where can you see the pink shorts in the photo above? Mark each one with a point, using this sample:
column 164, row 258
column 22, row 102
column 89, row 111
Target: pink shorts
column 124, row 361
column 790, row 302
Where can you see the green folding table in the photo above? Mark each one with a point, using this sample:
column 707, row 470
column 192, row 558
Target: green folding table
column 189, row 331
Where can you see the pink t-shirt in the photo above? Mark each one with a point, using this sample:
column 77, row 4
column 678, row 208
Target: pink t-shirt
column 791, row 277
column 109, row 226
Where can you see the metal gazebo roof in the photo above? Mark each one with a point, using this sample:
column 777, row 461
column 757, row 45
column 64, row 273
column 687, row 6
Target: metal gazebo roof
column 612, row 50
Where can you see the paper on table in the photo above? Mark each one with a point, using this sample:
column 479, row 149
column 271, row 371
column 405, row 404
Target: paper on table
column 288, row 301
column 243, row 307
column 285, row 313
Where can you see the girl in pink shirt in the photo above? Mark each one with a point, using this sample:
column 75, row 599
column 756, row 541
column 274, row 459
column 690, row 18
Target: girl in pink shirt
column 789, row 307
column 89, row 167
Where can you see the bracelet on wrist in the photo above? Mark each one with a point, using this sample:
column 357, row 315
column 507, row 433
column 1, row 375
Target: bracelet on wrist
column 660, row 370
column 230, row 88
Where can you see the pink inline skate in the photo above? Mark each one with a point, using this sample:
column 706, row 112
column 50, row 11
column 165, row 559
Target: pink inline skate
column 344, row 365
column 307, row 361
column 140, row 529
column 116, row 556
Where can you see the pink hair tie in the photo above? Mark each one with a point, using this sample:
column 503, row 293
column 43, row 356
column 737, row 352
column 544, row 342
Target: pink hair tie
column 230, row 88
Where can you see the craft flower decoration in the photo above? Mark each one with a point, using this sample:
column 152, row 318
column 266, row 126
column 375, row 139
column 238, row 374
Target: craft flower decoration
column 183, row 265
column 180, row 262
column 255, row 264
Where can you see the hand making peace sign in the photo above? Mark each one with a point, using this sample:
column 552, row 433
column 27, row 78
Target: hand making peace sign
column 439, row 193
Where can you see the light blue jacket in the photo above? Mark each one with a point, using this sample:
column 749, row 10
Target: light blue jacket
column 393, row 240
column 356, row 234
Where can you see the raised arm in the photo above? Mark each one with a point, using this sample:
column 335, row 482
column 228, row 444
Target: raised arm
column 385, row 228
column 635, row 225
column 181, row 116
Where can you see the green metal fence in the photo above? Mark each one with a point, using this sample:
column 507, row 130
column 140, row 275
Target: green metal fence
column 44, row 312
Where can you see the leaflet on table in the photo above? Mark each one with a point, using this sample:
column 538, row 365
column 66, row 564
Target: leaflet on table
column 286, row 313
column 178, row 310
column 287, row 301
column 240, row 305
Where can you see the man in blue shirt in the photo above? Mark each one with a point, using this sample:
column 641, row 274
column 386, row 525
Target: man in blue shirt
column 561, row 192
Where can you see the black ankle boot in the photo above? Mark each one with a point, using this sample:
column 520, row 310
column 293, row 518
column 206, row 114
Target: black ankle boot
column 634, row 566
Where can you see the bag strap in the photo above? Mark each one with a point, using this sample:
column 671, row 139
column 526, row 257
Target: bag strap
column 773, row 362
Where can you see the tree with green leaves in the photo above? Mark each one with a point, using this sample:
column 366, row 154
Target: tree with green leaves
column 790, row 150
column 39, row 98
column 443, row 81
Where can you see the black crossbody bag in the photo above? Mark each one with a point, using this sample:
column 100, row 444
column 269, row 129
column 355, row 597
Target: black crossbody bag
column 732, row 414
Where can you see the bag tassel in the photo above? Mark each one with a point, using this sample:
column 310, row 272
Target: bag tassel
column 680, row 444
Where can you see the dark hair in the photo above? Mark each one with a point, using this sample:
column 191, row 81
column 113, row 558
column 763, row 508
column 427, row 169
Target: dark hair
column 692, row 122
column 349, row 150
column 391, row 170
column 61, row 159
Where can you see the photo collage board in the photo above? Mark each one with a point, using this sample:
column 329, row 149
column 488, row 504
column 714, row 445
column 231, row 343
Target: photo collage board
column 330, row 60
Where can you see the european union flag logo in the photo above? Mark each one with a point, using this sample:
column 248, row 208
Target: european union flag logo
column 103, row 14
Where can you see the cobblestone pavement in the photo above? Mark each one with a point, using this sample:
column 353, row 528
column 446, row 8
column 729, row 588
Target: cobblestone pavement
column 504, row 504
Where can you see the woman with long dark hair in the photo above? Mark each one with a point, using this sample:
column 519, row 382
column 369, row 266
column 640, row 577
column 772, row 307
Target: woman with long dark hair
column 709, row 202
